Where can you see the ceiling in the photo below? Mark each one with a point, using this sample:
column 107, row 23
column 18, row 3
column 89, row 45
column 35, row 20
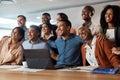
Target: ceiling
column 33, row 8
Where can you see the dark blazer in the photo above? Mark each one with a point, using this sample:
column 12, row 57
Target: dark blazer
column 117, row 36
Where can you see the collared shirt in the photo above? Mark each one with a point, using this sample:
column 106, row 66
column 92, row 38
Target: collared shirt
column 95, row 29
column 26, row 32
column 69, row 50
column 39, row 44
column 90, row 53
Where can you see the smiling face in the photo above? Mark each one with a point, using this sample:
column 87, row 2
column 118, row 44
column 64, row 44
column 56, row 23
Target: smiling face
column 63, row 29
column 84, row 33
column 16, row 35
column 21, row 21
column 109, row 16
column 33, row 34
column 86, row 13
column 45, row 29
column 45, row 19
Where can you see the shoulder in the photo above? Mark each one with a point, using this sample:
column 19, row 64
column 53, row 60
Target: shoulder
column 26, row 42
column 83, row 46
column 95, row 25
column 104, row 43
column 4, row 39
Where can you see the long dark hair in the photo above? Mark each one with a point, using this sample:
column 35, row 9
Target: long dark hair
column 20, row 31
column 116, row 17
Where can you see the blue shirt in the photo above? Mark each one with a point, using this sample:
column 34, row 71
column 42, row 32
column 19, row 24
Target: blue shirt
column 39, row 44
column 69, row 50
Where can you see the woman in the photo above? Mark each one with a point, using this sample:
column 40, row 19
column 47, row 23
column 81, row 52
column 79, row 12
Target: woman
column 97, row 53
column 110, row 22
column 47, row 33
column 11, row 50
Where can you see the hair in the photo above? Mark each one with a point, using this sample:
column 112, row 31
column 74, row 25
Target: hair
column 84, row 28
column 48, row 25
column 20, row 31
column 67, row 22
column 63, row 16
column 90, row 8
column 22, row 16
column 46, row 14
column 116, row 17
column 37, row 28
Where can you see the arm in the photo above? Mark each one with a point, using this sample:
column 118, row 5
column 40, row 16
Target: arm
column 114, row 59
column 51, row 44
column 19, row 57
column 54, row 56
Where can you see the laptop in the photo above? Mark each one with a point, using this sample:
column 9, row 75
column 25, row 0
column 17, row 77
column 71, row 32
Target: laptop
column 38, row 59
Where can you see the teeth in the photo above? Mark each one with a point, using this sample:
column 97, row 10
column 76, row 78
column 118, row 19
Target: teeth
column 83, row 15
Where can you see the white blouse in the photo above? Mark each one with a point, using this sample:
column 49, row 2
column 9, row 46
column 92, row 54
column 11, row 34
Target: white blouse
column 110, row 35
column 90, row 53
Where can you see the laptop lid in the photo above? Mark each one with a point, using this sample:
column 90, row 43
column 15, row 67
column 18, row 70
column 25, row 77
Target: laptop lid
column 38, row 59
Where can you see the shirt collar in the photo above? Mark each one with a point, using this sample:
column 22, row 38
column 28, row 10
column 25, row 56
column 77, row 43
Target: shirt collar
column 70, row 36
column 36, row 42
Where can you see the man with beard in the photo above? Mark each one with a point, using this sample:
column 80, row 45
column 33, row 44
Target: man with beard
column 68, row 46
column 21, row 21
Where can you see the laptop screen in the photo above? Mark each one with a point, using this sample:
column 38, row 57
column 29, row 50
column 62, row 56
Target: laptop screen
column 38, row 58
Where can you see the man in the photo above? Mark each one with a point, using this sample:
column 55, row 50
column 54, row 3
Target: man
column 21, row 20
column 95, row 52
column 63, row 16
column 68, row 46
column 87, row 14
column 34, row 41
column 46, row 19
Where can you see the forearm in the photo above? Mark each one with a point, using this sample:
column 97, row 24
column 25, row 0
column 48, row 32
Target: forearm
column 54, row 56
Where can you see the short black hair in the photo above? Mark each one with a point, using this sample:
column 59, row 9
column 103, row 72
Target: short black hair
column 47, row 14
column 90, row 8
column 67, row 22
column 22, row 16
column 63, row 16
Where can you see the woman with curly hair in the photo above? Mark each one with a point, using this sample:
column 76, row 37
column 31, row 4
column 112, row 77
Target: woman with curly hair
column 110, row 22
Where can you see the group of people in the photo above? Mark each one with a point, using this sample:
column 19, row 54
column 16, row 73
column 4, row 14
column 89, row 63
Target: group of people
column 95, row 45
